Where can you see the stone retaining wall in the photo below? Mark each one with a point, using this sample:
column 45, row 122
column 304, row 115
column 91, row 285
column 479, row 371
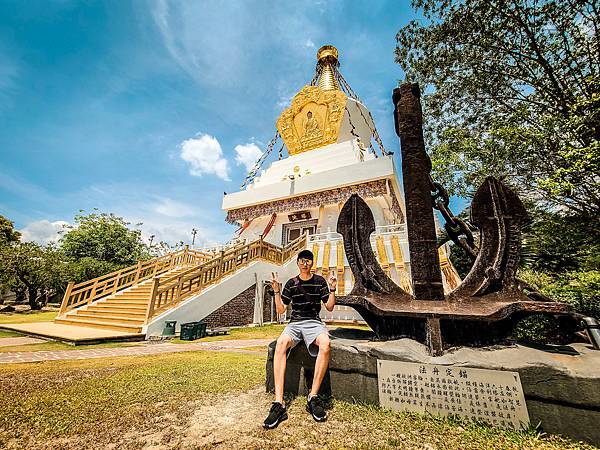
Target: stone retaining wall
column 561, row 384
column 236, row 312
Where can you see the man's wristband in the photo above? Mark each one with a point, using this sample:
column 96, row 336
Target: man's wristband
column 276, row 292
column 331, row 290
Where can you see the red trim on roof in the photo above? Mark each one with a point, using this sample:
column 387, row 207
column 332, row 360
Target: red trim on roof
column 269, row 225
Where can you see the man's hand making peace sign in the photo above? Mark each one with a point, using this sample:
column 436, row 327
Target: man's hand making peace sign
column 332, row 280
column 275, row 284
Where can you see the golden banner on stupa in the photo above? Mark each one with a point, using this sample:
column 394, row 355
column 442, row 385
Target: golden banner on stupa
column 313, row 120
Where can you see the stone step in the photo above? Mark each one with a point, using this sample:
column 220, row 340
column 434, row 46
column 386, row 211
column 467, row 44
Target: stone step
column 132, row 295
column 117, row 307
column 126, row 301
column 114, row 312
column 123, row 307
column 108, row 318
column 99, row 324
column 122, row 311
column 141, row 286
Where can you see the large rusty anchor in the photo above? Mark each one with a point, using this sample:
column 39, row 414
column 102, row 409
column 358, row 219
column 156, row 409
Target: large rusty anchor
column 484, row 308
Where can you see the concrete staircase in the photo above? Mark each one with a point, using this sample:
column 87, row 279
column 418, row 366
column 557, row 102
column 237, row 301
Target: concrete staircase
column 124, row 311
column 131, row 299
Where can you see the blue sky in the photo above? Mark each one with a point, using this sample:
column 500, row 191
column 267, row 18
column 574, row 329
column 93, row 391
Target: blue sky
column 152, row 109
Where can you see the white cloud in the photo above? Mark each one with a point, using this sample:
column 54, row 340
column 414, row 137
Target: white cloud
column 309, row 43
column 284, row 101
column 167, row 212
column 171, row 231
column 174, row 230
column 205, row 156
column 247, row 154
column 43, row 231
column 172, row 208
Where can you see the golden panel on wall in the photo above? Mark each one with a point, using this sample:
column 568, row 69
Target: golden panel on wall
column 313, row 119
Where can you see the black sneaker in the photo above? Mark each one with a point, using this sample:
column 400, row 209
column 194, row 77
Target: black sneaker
column 277, row 414
column 315, row 408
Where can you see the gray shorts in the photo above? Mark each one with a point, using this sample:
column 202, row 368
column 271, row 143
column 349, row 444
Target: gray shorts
column 307, row 331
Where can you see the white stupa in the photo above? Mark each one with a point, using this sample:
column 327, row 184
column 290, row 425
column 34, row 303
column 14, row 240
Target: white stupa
column 328, row 133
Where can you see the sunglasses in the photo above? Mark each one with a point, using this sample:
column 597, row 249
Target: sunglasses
column 305, row 262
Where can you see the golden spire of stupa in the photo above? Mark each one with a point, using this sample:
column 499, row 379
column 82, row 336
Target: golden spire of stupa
column 327, row 59
column 314, row 118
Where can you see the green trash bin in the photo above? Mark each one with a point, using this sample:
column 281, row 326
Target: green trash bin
column 200, row 329
column 169, row 329
column 188, row 331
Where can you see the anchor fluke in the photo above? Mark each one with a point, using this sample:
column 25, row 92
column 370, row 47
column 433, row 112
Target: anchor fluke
column 356, row 224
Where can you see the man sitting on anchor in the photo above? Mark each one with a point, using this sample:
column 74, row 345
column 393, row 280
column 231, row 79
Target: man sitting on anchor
column 305, row 292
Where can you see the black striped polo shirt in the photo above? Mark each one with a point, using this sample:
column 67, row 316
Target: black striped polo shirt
column 306, row 297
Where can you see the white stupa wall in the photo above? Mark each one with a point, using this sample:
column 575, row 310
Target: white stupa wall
column 327, row 218
column 356, row 122
column 322, row 159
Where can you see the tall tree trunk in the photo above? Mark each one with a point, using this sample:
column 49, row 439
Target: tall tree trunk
column 33, row 300
column 20, row 295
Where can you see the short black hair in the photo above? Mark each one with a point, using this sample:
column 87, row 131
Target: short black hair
column 305, row 254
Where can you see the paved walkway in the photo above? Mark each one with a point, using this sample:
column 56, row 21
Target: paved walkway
column 14, row 341
column 136, row 350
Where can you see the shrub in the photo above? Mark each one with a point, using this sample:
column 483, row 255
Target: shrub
column 580, row 289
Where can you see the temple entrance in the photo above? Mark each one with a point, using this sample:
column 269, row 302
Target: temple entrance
column 294, row 230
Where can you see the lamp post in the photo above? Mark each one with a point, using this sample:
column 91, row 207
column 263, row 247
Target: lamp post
column 194, row 231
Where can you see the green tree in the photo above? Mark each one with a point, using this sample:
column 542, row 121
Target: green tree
column 559, row 243
column 39, row 271
column 512, row 89
column 8, row 234
column 99, row 243
column 103, row 237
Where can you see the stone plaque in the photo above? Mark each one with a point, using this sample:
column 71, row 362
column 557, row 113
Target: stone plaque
column 492, row 396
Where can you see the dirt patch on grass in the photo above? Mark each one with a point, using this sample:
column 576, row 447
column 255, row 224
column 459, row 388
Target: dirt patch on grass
column 227, row 421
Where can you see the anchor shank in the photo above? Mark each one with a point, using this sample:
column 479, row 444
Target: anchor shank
column 416, row 166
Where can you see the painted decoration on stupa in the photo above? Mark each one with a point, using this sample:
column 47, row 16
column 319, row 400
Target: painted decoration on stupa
column 313, row 119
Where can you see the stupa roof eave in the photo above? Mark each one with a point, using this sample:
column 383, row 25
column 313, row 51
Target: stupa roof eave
column 375, row 169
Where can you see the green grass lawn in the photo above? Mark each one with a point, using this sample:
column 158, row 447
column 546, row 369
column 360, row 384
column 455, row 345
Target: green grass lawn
column 9, row 334
column 212, row 399
column 97, row 398
column 28, row 317
column 265, row 332
column 269, row 331
column 257, row 348
column 206, row 399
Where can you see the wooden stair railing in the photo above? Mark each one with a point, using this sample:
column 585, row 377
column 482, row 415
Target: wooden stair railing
column 168, row 292
column 88, row 291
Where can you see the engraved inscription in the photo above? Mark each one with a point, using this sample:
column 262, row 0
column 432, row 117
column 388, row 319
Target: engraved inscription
column 492, row 396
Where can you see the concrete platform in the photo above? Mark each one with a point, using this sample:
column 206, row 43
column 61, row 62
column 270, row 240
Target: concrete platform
column 561, row 383
column 71, row 334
